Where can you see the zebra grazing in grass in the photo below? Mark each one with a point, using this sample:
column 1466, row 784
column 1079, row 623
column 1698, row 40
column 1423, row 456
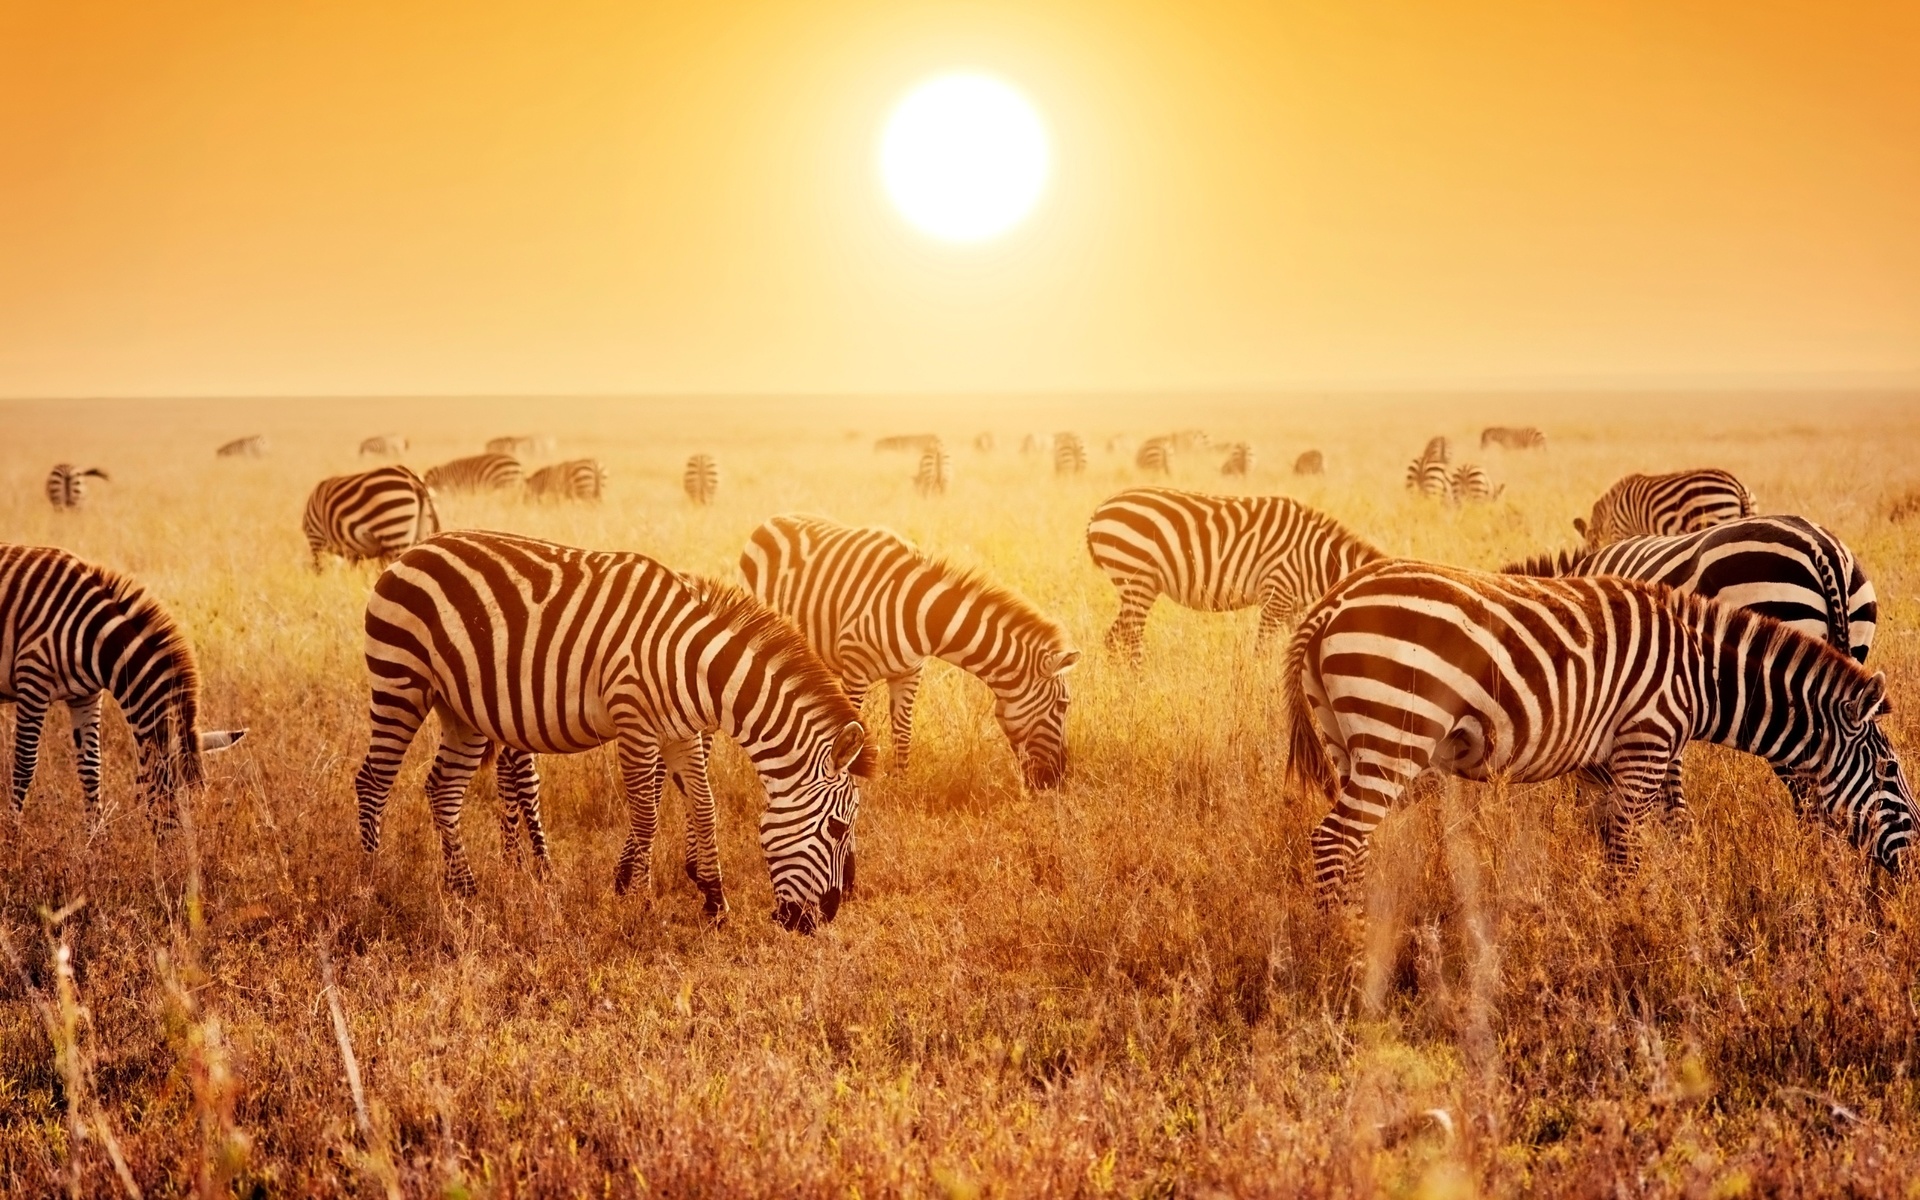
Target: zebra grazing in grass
column 575, row 479
column 907, row 441
column 1471, row 483
column 524, row 443
column 480, row 473
column 1430, row 479
column 67, row 485
column 702, row 479
column 1524, row 438
column 1155, row 456
column 375, row 514
column 1682, row 502
column 246, row 447
column 524, row 647
column 1216, row 554
column 1310, row 463
column 1412, row 667
column 74, row 632
column 385, row 445
column 936, row 468
column 1239, row 460
column 876, row 608
column 1069, row 454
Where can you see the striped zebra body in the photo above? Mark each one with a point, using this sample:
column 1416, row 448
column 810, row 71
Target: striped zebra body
column 875, row 608
column 1524, row 438
column 246, row 447
column 1662, row 505
column 1411, row 667
column 702, row 479
column 1155, row 456
column 1310, row 463
column 575, row 479
column 385, row 445
column 67, row 485
column 1069, row 454
column 526, row 647
column 72, row 632
column 1438, row 449
column 936, row 468
column 480, row 473
column 907, row 441
column 374, row 514
column 1239, row 460
column 519, row 444
column 1216, row 554
column 1472, row 483
column 1430, row 479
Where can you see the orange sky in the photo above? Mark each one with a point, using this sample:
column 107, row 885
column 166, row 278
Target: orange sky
column 366, row 196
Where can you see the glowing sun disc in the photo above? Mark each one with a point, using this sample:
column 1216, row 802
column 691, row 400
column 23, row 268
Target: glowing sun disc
column 964, row 157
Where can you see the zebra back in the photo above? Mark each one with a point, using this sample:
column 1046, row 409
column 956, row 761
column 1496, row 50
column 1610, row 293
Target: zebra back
column 246, row 447
column 1069, row 454
column 1679, row 502
column 936, row 467
column 701, row 479
column 575, row 479
column 481, row 472
column 1239, row 460
column 1312, row 462
column 373, row 514
column 389, row 444
column 1155, row 455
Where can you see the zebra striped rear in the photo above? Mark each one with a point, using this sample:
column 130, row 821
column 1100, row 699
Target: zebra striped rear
column 936, row 468
column 1155, row 456
column 374, row 514
column 1069, row 454
column 1524, row 438
column 480, row 473
column 1470, row 483
column 1312, row 462
column 575, row 479
column 246, row 447
column 1661, row 505
column 1239, row 460
column 67, row 485
column 385, row 445
column 1430, row 480
column 702, row 479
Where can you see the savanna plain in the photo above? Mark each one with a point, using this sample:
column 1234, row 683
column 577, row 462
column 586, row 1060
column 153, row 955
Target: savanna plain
column 1121, row 987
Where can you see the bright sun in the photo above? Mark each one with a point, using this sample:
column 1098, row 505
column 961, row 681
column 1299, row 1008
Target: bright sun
column 964, row 157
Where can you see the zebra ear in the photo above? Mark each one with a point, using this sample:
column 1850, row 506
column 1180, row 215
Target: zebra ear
column 1580, row 526
column 847, row 745
column 1872, row 701
column 1065, row 661
column 212, row 740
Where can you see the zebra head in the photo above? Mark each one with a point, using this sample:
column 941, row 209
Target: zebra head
column 168, row 762
column 807, row 834
column 1859, row 779
column 1031, row 707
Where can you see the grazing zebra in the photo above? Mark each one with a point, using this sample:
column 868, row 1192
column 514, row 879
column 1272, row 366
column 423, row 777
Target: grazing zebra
column 525, row 443
column 1411, row 667
column 876, row 608
column 386, row 445
column 1069, row 454
column 1216, row 554
column 482, row 472
column 1190, row 439
column 74, row 632
column 1470, row 482
column 1430, row 479
column 246, row 447
column 1155, row 456
column 67, row 485
column 936, row 468
column 702, row 479
column 1439, row 449
column 524, row 647
column 908, row 441
column 374, row 514
column 1682, row 502
column 1239, row 460
column 983, row 443
column 1310, row 463
column 575, row 479
column 1524, row 438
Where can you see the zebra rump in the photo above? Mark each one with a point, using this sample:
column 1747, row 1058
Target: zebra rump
column 67, row 485
column 1239, row 460
column 575, row 479
column 1523, row 438
column 1472, row 483
column 374, row 514
column 936, row 467
column 1310, row 463
column 702, row 479
column 1069, row 454
column 1155, row 456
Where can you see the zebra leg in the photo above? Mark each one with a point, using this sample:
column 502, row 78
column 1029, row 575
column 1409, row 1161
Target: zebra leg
column 30, row 713
column 901, row 691
column 1277, row 611
column 642, row 773
column 1340, row 840
column 1640, row 775
column 517, row 781
column 462, row 748
column 1126, row 636
column 86, row 745
column 395, row 717
column 687, row 763
column 1673, row 797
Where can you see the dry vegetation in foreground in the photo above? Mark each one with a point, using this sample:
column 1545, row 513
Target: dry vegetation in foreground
column 1120, row 988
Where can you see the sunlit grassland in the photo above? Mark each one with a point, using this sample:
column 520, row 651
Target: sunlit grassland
column 1120, row 987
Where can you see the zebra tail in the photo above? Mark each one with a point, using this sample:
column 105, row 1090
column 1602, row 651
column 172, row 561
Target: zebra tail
column 1306, row 757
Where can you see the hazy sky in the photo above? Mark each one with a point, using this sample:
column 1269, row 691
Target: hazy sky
column 329, row 196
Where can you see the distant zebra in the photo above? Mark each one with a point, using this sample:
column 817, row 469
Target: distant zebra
column 1682, row 502
column 1412, row 667
column 1069, row 454
column 936, row 468
column 1430, row 479
column 386, row 445
column 1239, row 460
column 525, row 647
column 1033, row 443
column 877, row 608
column 1310, row 463
column 575, row 479
column 246, row 447
column 1472, row 483
column 375, row 514
column 74, row 632
column 1155, row 456
column 983, row 443
column 524, row 443
column 907, row 441
column 701, row 479
column 1190, row 439
column 1439, row 449
column 67, row 485
column 480, row 473
column 1216, row 554
column 1524, row 438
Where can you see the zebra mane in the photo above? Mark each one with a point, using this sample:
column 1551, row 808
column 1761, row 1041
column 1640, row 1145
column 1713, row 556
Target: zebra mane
column 767, row 631
column 170, row 654
column 1550, row 565
column 998, row 596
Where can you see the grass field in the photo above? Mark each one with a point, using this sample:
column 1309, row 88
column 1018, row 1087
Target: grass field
column 1119, row 988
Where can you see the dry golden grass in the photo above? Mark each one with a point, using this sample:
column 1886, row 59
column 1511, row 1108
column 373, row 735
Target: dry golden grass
column 1119, row 988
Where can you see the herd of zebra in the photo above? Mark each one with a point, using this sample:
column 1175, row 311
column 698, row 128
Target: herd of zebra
column 1683, row 617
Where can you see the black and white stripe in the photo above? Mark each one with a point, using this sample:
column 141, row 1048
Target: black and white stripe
column 1430, row 479
column 1660, row 505
column 72, row 632
column 385, row 445
column 876, row 608
column 1069, row 454
column 1524, row 437
column 936, row 469
column 1411, row 667
column 374, row 514
column 1155, row 456
column 67, row 485
column 1216, row 554
column 575, row 479
column 702, row 479
column 1311, row 462
column 1472, row 484
column 1239, row 460
column 246, row 447
column 480, row 473
column 533, row 648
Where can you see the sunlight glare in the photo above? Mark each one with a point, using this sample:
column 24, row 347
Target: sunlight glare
column 964, row 157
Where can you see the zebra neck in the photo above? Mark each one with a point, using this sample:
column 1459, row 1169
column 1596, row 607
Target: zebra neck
column 1757, row 690
column 970, row 627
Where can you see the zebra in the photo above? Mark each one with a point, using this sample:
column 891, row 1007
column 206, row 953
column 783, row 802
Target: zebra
column 75, row 632
column 1310, row 463
column 1682, row 502
column 1239, row 460
column 482, row 472
column 983, row 443
column 702, row 479
column 385, row 445
column 1470, row 482
column 1216, row 554
column 936, row 468
column 907, row 441
column 524, row 443
column 1033, row 443
column 246, row 447
column 1524, row 438
column 375, row 514
column 67, row 485
column 1429, row 478
column 876, row 608
column 526, row 647
column 575, row 479
column 1069, row 454
column 1155, row 456
column 1412, row 667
